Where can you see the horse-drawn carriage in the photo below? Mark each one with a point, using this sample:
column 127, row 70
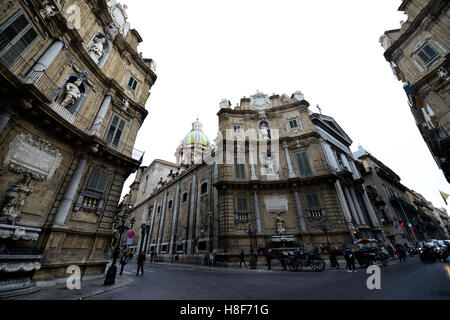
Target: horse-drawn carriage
column 369, row 253
column 294, row 258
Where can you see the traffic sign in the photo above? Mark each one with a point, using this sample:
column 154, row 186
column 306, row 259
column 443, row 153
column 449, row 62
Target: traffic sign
column 131, row 235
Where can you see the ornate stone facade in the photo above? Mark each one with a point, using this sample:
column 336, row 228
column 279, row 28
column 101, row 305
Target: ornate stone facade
column 283, row 180
column 73, row 99
column 418, row 54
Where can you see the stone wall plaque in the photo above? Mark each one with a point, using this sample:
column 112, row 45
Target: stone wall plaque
column 278, row 204
column 34, row 156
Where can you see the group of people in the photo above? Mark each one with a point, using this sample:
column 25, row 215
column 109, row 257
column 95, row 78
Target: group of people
column 127, row 257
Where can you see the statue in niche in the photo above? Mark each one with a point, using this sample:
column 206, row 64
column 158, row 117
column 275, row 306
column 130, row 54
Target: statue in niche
column 280, row 225
column 265, row 131
column 72, row 93
column 48, row 11
column 126, row 104
column 96, row 50
column 15, row 200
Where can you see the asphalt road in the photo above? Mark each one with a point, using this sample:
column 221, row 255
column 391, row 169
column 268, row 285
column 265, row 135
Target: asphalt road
column 407, row 280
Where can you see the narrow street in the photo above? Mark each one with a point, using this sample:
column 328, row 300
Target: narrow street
column 410, row 280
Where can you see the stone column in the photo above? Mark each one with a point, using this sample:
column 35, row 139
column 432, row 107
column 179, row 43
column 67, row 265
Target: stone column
column 357, row 206
column 174, row 219
column 300, row 214
column 252, row 165
column 44, row 62
column 372, row 215
column 289, row 162
column 257, row 212
column 216, row 209
column 191, row 214
column 5, row 115
column 343, row 201
column 71, row 190
column 352, row 206
column 153, row 220
column 161, row 223
column 100, row 116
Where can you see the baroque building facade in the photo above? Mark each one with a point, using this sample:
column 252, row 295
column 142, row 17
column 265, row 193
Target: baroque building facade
column 277, row 176
column 418, row 54
column 388, row 197
column 74, row 90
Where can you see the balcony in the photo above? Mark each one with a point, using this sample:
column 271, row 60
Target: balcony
column 316, row 213
column 242, row 217
column 22, row 71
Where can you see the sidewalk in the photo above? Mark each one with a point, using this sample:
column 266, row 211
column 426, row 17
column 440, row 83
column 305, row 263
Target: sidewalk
column 89, row 288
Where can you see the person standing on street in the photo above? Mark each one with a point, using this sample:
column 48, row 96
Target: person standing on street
column 349, row 258
column 123, row 262
column 140, row 263
column 242, row 257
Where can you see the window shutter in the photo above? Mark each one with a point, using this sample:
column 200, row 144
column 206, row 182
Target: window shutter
column 242, row 204
column 313, row 201
column 303, row 164
column 97, row 182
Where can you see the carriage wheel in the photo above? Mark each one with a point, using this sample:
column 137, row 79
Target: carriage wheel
column 318, row 265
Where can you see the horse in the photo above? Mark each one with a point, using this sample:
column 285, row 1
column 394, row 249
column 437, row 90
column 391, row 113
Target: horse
column 270, row 254
column 333, row 253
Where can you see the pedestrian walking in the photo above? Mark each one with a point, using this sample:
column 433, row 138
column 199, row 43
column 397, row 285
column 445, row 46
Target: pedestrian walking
column 401, row 253
column 211, row 259
column 349, row 258
column 242, row 257
column 151, row 256
column 123, row 262
column 140, row 263
column 131, row 256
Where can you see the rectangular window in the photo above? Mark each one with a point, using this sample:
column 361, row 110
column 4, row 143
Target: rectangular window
column 146, row 182
column 115, row 130
column 242, row 213
column 16, row 35
column 242, row 205
column 239, row 169
column 185, row 197
column 170, row 204
column 303, row 164
column 132, row 84
column 293, row 124
column 427, row 54
column 314, row 208
column 97, row 183
column 313, row 202
column 93, row 196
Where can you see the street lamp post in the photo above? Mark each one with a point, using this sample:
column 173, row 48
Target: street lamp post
column 120, row 226
column 253, row 259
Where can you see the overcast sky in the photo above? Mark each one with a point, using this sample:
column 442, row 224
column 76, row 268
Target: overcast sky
column 207, row 50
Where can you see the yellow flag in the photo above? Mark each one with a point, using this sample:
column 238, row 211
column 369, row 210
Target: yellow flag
column 444, row 196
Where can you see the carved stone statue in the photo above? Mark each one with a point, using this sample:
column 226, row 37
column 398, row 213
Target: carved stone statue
column 126, row 104
column 48, row 11
column 265, row 131
column 15, row 200
column 280, row 225
column 72, row 93
column 443, row 73
column 111, row 31
column 96, row 50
